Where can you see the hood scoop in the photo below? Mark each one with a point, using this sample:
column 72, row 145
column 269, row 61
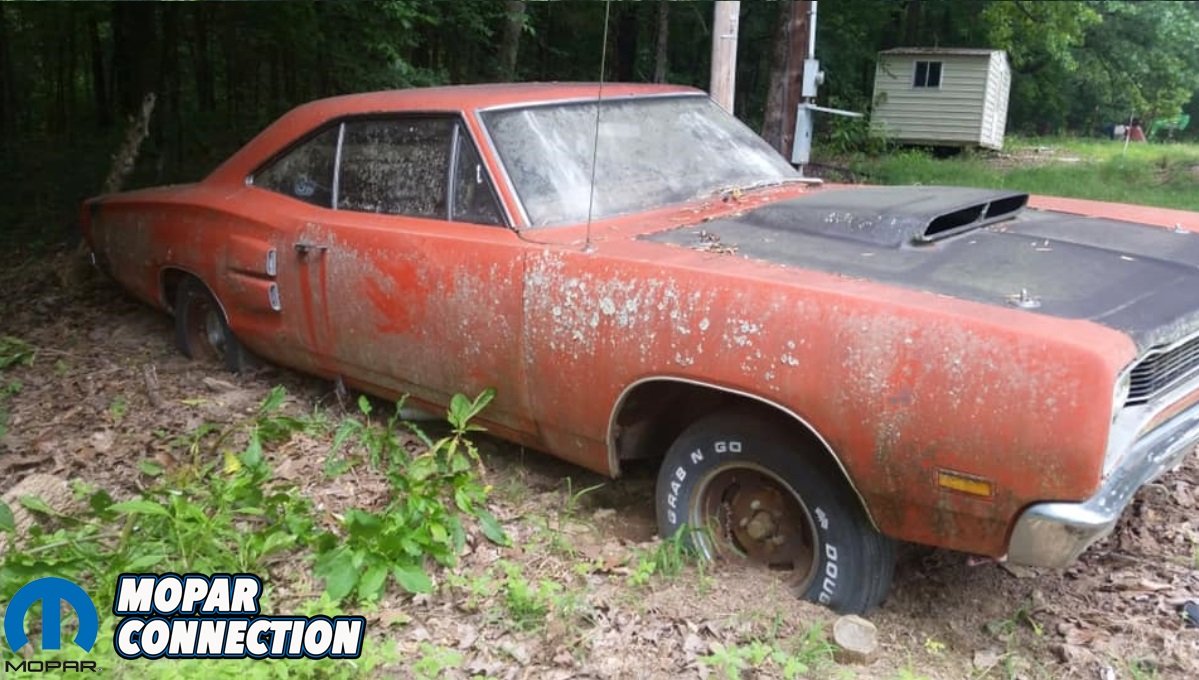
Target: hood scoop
column 891, row 216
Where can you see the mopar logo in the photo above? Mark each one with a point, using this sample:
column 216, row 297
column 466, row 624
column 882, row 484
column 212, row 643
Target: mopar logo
column 52, row 592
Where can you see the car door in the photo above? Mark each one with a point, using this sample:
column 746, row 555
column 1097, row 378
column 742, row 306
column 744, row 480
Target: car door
column 291, row 192
column 420, row 278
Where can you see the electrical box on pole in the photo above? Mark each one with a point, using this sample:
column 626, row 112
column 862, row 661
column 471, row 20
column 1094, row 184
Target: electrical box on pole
column 813, row 78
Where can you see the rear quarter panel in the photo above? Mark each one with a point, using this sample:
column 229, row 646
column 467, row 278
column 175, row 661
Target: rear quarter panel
column 220, row 236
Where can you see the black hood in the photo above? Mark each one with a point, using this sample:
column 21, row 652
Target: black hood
column 979, row 245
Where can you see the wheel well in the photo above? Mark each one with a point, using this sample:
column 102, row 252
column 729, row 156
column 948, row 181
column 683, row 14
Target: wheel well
column 652, row 414
column 171, row 279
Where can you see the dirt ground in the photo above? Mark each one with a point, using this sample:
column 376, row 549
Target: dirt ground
column 88, row 408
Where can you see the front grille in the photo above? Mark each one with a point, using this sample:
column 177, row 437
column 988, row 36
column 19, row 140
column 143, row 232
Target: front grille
column 1163, row 369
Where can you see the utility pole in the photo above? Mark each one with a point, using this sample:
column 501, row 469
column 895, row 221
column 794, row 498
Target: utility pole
column 724, row 53
column 799, row 50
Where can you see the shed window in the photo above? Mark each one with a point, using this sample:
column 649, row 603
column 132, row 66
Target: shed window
column 928, row 74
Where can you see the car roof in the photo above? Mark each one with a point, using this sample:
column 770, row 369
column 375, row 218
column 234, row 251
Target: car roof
column 454, row 98
column 466, row 97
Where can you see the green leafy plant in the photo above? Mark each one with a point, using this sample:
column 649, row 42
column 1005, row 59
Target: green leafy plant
column 666, row 559
column 435, row 660
column 15, row 352
column 208, row 519
column 799, row 657
column 573, row 498
column 528, row 604
column 727, row 661
column 117, row 409
column 432, row 492
column 9, row 389
column 1141, row 669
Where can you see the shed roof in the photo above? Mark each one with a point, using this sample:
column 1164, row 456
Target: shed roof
column 959, row 51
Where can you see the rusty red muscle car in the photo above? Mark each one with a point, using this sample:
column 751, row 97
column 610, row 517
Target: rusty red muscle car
column 822, row 371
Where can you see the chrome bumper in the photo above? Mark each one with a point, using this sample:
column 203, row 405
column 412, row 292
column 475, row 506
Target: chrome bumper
column 1055, row 534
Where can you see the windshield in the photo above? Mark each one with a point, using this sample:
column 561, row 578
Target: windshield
column 652, row 152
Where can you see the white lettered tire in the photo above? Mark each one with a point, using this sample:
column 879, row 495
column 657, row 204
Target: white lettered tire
column 743, row 486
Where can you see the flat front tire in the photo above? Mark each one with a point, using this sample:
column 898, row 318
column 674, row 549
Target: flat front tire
column 742, row 487
column 201, row 330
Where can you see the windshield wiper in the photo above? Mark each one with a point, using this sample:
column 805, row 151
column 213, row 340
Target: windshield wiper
column 760, row 184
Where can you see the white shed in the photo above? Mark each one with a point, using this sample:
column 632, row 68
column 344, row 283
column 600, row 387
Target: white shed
column 941, row 96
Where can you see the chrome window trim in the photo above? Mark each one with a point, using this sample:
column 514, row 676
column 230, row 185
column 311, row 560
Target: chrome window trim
column 341, row 137
column 451, row 191
column 585, row 100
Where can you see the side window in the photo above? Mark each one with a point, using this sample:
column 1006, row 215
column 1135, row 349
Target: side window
column 305, row 172
column 474, row 200
column 395, row 166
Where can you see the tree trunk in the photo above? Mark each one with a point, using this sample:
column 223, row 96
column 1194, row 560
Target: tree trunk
column 7, row 112
column 168, row 131
column 99, row 81
column 205, row 89
column 776, row 91
column 786, row 76
column 661, row 52
column 514, row 24
column 626, row 43
column 134, row 53
column 912, row 20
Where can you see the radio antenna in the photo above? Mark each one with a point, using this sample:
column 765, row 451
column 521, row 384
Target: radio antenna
column 599, row 96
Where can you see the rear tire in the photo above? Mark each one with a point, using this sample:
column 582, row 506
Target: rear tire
column 201, row 330
column 740, row 487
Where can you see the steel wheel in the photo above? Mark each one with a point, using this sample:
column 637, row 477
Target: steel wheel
column 747, row 485
column 205, row 330
column 743, row 510
column 201, row 330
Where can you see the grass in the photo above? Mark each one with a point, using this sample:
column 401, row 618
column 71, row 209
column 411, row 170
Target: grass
column 1165, row 175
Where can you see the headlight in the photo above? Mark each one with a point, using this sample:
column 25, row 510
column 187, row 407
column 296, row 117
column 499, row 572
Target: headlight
column 1123, row 385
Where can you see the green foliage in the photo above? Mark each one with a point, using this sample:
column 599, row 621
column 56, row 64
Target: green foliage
column 224, row 70
column 1147, row 174
column 15, row 352
column 195, row 520
column 7, row 390
column 528, row 604
column 117, row 409
column 803, row 656
column 531, row 605
column 432, row 492
column 1141, row 669
column 227, row 512
column 435, row 660
column 666, row 560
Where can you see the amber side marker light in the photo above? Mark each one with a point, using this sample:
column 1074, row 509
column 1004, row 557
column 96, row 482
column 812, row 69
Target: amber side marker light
column 965, row 484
